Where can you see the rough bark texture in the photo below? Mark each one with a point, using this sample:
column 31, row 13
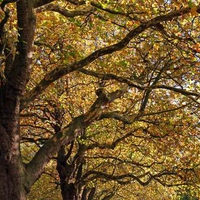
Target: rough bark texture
column 12, row 171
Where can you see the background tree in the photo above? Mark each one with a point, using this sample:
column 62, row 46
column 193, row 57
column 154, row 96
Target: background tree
column 108, row 89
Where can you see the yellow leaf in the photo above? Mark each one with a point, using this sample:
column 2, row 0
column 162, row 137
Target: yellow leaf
column 129, row 23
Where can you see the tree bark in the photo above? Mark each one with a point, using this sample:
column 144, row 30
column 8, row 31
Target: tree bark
column 70, row 175
column 11, row 167
column 12, row 170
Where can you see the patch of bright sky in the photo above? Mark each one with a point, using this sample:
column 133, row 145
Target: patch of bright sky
column 168, row 1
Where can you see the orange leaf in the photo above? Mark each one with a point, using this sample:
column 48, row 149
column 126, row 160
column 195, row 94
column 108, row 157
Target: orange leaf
column 193, row 11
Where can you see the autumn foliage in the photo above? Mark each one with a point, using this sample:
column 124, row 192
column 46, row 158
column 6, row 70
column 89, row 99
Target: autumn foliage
column 99, row 99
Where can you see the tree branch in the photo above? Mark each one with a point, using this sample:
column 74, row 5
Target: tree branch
column 63, row 11
column 63, row 70
column 148, row 91
column 99, row 6
column 178, row 90
column 111, row 77
column 119, row 116
column 75, row 2
column 114, row 143
column 35, row 168
column 4, row 2
column 122, row 179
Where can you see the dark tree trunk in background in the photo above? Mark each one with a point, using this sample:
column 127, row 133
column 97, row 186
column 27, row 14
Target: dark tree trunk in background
column 70, row 174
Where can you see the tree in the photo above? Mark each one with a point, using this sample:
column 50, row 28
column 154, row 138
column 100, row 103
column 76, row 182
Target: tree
column 130, row 65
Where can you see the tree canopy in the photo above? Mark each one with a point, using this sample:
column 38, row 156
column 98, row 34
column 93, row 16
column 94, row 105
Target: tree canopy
column 99, row 99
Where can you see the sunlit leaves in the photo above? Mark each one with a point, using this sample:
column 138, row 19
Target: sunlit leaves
column 149, row 130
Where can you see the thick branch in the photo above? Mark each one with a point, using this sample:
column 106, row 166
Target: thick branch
column 132, row 84
column 125, row 178
column 61, row 71
column 111, row 77
column 63, row 11
column 67, row 135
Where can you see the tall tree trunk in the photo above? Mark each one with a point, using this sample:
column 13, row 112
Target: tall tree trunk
column 11, row 180
column 12, row 170
column 71, row 191
column 68, row 175
column 10, row 183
